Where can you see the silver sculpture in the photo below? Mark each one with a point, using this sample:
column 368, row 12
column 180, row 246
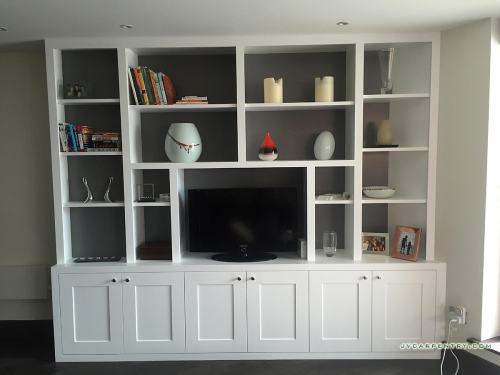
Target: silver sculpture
column 89, row 197
column 386, row 58
column 106, row 194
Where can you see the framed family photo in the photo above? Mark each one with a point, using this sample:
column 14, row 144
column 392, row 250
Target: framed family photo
column 375, row 243
column 406, row 243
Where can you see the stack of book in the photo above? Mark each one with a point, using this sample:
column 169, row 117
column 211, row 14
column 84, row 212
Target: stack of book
column 151, row 88
column 193, row 99
column 78, row 138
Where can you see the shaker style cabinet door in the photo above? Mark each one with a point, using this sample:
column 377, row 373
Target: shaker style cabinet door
column 216, row 312
column 278, row 311
column 404, row 308
column 91, row 313
column 340, row 311
column 153, row 312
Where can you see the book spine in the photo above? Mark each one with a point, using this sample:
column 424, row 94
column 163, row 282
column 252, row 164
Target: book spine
column 63, row 138
column 140, row 82
column 144, row 82
column 162, row 89
column 147, row 83
column 152, row 77
column 132, row 85
column 71, row 138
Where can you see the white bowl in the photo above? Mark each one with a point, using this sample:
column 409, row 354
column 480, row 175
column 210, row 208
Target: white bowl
column 378, row 192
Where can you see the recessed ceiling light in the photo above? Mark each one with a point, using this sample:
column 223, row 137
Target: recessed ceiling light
column 342, row 23
column 3, row 28
column 125, row 27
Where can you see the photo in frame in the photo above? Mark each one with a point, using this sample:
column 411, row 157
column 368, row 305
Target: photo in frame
column 406, row 243
column 375, row 243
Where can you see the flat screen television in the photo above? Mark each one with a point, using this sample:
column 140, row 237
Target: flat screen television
column 259, row 219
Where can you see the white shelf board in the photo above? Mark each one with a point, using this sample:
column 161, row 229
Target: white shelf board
column 87, row 101
column 334, row 201
column 93, row 204
column 394, row 200
column 98, row 153
column 151, row 204
column 386, row 98
column 298, row 106
column 246, row 164
column 396, row 149
column 184, row 108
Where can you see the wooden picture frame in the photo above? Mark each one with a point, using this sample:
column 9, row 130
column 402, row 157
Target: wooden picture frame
column 406, row 243
column 379, row 242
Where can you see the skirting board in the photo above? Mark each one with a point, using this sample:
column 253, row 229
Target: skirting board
column 242, row 356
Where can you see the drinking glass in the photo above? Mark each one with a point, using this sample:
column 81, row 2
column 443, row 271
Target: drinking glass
column 330, row 243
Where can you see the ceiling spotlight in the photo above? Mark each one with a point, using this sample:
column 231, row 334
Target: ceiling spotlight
column 342, row 23
column 125, row 27
column 3, row 28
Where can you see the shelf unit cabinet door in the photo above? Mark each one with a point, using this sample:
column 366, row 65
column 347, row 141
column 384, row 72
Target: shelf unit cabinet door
column 278, row 312
column 91, row 313
column 404, row 308
column 340, row 311
column 216, row 312
column 153, row 308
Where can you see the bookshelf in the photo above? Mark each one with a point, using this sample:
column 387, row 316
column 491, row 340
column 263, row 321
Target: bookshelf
column 232, row 127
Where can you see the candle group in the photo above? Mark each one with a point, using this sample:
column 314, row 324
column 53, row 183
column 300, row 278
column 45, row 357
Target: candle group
column 273, row 90
column 323, row 89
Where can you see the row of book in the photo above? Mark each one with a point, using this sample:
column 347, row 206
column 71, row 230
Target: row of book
column 78, row 138
column 149, row 87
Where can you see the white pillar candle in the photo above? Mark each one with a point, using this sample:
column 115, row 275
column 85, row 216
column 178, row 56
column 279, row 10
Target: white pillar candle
column 273, row 90
column 323, row 89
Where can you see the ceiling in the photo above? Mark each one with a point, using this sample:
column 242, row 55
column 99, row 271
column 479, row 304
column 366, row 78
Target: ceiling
column 29, row 20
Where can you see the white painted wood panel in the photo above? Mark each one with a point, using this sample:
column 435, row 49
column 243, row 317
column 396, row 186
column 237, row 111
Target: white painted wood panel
column 404, row 308
column 340, row 311
column 277, row 312
column 216, row 312
column 91, row 313
column 153, row 312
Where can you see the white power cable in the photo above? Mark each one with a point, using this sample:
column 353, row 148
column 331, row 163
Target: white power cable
column 451, row 350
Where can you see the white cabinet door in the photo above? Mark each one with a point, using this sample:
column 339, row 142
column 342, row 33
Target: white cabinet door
column 404, row 308
column 91, row 313
column 153, row 312
column 216, row 312
column 278, row 311
column 340, row 311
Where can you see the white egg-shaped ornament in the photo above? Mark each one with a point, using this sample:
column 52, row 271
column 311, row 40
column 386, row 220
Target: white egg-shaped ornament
column 324, row 145
column 183, row 142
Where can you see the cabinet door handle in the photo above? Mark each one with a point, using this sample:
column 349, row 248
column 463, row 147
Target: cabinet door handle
column 378, row 277
column 127, row 280
column 252, row 278
column 113, row 280
column 364, row 277
column 238, row 278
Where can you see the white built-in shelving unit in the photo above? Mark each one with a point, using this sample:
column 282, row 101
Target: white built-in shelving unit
column 232, row 126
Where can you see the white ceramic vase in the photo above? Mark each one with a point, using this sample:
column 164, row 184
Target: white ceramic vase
column 183, row 142
column 324, row 145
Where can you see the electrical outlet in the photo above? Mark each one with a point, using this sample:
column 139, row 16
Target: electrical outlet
column 459, row 313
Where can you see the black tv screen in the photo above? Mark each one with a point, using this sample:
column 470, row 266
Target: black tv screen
column 264, row 219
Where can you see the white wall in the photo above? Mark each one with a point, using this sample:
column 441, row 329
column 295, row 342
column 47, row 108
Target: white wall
column 461, row 165
column 26, row 205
